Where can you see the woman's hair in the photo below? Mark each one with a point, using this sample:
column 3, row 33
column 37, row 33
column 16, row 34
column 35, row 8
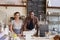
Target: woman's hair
column 16, row 13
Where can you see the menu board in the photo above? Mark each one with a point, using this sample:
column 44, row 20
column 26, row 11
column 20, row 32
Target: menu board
column 38, row 6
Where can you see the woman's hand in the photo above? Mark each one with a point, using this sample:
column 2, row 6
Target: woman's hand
column 19, row 35
column 13, row 32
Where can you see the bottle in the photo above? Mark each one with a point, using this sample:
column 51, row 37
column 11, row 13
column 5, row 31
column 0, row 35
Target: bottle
column 7, row 30
column 2, row 26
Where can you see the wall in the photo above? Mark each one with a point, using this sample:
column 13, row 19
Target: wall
column 18, row 2
column 54, row 21
column 55, row 3
column 7, row 12
column 53, row 10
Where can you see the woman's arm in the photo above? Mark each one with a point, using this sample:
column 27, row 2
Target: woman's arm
column 11, row 28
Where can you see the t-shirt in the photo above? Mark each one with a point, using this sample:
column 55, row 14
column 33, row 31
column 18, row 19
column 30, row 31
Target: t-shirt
column 17, row 26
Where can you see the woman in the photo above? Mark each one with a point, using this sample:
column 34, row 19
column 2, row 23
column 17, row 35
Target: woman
column 16, row 24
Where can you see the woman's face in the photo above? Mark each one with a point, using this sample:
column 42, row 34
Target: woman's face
column 17, row 15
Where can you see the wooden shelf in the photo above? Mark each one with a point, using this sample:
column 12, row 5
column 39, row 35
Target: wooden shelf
column 13, row 5
column 53, row 7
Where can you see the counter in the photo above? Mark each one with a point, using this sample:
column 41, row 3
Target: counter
column 33, row 38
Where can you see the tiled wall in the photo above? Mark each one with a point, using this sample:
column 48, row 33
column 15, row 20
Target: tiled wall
column 7, row 12
column 54, row 21
column 55, row 3
column 17, row 2
column 53, row 10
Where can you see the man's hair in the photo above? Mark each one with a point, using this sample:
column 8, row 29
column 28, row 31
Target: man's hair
column 31, row 12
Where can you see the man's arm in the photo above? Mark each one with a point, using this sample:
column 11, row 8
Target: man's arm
column 37, row 26
column 37, row 23
column 25, row 24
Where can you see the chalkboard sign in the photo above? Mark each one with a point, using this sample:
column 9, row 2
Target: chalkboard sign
column 37, row 6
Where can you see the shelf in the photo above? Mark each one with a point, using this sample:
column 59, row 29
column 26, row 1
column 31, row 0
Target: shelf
column 13, row 5
column 53, row 7
column 53, row 15
column 54, row 22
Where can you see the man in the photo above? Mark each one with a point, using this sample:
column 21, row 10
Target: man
column 31, row 22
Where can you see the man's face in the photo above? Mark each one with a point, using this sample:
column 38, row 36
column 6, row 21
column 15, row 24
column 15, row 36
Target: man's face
column 32, row 14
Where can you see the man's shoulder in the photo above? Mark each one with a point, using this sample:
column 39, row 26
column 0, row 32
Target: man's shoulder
column 35, row 17
column 27, row 17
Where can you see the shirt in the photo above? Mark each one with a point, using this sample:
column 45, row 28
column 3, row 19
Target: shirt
column 17, row 26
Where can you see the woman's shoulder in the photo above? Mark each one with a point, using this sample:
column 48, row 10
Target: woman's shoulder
column 12, row 21
column 21, row 20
